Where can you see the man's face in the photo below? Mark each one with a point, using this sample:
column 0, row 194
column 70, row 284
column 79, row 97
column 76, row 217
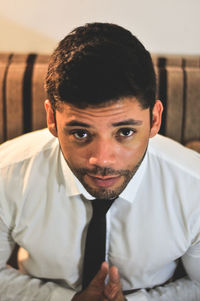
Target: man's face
column 104, row 146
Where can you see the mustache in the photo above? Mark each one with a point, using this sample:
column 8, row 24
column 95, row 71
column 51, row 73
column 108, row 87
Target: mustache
column 103, row 171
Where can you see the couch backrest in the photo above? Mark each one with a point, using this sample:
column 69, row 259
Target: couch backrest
column 179, row 89
column 22, row 94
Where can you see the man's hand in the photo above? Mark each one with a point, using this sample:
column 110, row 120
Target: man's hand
column 97, row 290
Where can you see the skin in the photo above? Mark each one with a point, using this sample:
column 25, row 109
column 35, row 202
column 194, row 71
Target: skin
column 104, row 147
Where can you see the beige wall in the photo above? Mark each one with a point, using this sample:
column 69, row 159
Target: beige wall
column 164, row 26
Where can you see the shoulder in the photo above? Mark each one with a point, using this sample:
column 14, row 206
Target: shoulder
column 26, row 147
column 28, row 165
column 175, row 172
column 173, row 155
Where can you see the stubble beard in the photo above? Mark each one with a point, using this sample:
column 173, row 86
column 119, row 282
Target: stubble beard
column 102, row 192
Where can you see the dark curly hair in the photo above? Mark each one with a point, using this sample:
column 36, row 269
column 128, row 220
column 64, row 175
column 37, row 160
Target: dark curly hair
column 100, row 63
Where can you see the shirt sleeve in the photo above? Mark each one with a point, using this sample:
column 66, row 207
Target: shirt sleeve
column 15, row 286
column 184, row 289
column 181, row 290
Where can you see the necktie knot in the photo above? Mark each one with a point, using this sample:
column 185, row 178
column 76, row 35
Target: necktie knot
column 100, row 207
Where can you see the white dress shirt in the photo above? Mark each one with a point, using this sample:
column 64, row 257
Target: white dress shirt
column 45, row 209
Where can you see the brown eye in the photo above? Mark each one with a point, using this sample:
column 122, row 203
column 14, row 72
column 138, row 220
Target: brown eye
column 126, row 132
column 80, row 134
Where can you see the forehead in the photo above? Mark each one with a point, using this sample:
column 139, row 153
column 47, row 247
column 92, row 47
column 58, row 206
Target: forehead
column 123, row 108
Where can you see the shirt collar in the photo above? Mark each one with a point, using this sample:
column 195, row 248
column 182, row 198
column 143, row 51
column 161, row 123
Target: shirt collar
column 74, row 186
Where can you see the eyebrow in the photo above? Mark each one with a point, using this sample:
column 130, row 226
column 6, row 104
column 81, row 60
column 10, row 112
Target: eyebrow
column 128, row 122
column 77, row 123
column 116, row 124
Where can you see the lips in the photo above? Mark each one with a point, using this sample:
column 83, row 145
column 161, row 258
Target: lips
column 107, row 181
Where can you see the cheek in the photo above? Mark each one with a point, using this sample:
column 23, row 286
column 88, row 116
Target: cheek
column 134, row 153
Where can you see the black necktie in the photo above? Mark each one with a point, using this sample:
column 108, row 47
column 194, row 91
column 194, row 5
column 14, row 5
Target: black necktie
column 95, row 240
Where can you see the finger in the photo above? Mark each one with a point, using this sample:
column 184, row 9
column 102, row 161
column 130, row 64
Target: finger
column 101, row 275
column 113, row 288
column 104, row 267
column 114, row 275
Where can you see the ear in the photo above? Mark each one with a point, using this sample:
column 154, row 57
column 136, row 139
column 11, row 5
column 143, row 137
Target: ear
column 50, row 116
column 156, row 118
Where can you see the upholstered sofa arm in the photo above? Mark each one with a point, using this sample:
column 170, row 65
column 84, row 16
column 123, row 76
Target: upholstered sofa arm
column 195, row 145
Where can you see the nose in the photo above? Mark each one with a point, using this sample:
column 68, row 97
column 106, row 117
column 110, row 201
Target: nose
column 103, row 154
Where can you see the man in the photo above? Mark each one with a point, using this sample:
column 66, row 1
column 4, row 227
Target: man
column 102, row 112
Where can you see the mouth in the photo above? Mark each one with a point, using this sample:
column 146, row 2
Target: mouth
column 107, row 181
